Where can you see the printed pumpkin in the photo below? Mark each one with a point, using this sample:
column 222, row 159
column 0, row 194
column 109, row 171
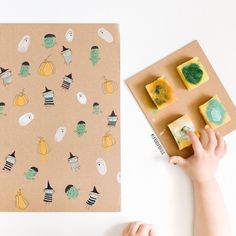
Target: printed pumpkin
column 108, row 140
column 46, row 68
column 21, row 99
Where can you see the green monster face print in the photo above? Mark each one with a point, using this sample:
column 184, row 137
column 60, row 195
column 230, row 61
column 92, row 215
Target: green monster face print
column 24, row 69
column 71, row 191
column 2, row 105
column 96, row 108
column 30, row 174
column 81, row 128
column 193, row 73
column 49, row 40
column 94, row 55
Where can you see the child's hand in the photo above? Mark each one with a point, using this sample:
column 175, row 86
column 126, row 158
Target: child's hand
column 202, row 165
column 139, row 229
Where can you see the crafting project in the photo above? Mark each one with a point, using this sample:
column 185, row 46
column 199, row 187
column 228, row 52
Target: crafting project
column 180, row 128
column 192, row 108
column 192, row 73
column 214, row 113
column 60, row 118
column 160, row 92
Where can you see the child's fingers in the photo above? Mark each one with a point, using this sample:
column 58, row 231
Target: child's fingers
column 220, row 144
column 126, row 229
column 177, row 160
column 212, row 142
column 152, row 232
column 134, row 227
column 144, row 229
column 204, row 138
column 197, row 146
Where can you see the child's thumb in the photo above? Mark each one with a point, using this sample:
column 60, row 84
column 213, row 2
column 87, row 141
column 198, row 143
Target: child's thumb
column 177, row 160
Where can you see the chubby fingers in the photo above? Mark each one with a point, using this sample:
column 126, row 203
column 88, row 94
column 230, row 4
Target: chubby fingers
column 197, row 146
column 212, row 141
column 221, row 147
column 144, row 230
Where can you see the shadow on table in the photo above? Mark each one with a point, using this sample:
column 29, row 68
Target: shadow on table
column 115, row 230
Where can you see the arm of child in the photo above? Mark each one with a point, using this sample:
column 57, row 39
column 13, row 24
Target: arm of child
column 210, row 218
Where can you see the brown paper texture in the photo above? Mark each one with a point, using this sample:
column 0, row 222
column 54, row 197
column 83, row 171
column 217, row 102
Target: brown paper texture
column 187, row 102
column 66, row 112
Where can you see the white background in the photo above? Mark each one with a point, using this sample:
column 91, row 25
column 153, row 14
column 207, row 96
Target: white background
column 152, row 190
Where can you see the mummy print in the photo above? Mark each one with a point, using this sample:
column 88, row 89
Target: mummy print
column 9, row 161
column 48, row 97
column 48, row 193
column 93, row 196
column 73, row 161
column 67, row 81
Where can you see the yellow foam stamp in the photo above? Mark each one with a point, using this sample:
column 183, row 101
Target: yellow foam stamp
column 180, row 128
column 214, row 113
column 160, row 92
column 192, row 73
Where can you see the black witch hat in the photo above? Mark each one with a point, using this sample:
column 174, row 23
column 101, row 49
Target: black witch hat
column 113, row 114
column 64, row 49
column 2, row 70
column 47, row 90
column 13, row 154
column 95, row 190
column 71, row 156
column 69, row 76
column 49, row 186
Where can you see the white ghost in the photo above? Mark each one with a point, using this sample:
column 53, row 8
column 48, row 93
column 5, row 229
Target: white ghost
column 101, row 166
column 26, row 119
column 24, row 44
column 60, row 134
column 105, row 35
column 81, row 98
column 69, row 35
column 118, row 177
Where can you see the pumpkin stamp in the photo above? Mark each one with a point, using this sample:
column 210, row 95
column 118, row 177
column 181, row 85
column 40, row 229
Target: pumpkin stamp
column 73, row 162
column 108, row 140
column 10, row 161
column 43, row 149
column 21, row 99
column 71, row 191
column 20, row 202
column 67, row 55
column 109, row 86
column 6, row 76
column 24, row 69
column 46, row 68
column 31, row 173
column 49, row 41
column 93, row 196
column 48, row 194
column 2, row 113
column 81, row 128
column 48, row 95
column 24, row 44
column 96, row 108
column 94, row 55
column 112, row 119
column 67, row 81
column 160, row 92
column 214, row 113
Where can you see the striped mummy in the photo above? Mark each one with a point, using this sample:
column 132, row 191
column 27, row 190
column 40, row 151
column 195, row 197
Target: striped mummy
column 67, row 81
column 93, row 196
column 48, row 97
column 10, row 161
column 48, row 193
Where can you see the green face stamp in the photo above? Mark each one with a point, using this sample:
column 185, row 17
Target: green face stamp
column 81, row 128
column 71, row 191
column 31, row 173
column 94, row 55
column 192, row 73
column 49, row 40
column 24, row 69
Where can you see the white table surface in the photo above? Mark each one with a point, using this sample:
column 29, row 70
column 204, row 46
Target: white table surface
column 152, row 190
